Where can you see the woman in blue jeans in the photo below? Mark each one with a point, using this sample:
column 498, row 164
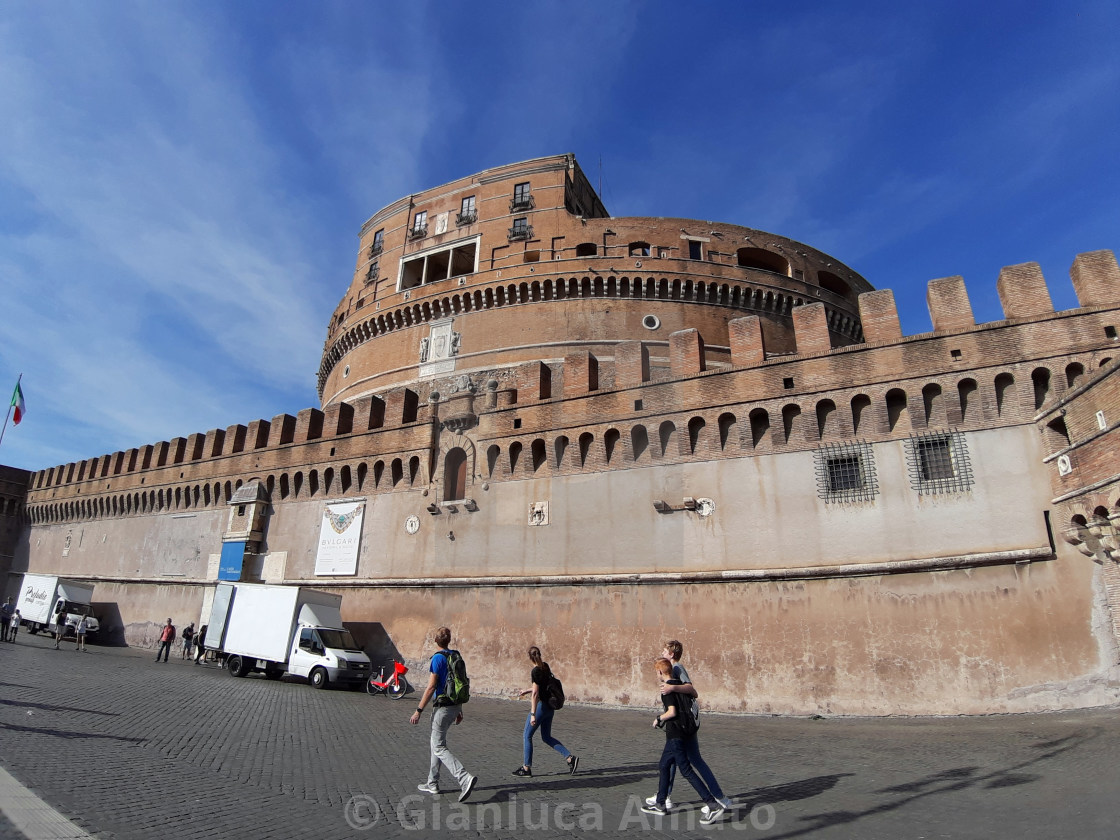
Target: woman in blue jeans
column 540, row 716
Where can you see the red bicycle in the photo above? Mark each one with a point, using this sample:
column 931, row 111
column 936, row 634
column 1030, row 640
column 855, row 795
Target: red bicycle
column 396, row 686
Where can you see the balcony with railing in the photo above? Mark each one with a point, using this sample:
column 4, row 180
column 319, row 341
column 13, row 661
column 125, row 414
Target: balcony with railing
column 418, row 232
column 468, row 218
column 520, row 232
column 520, row 203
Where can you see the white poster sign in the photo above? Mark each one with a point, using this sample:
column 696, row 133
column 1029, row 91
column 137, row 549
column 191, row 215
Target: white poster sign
column 339, row 538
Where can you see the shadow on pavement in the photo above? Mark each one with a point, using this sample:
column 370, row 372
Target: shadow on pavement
column 47, row 707
column 945, row 782
column 69, row 735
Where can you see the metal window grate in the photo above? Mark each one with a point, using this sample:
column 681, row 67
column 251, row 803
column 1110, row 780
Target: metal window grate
column 845, row 472
column 938, row 462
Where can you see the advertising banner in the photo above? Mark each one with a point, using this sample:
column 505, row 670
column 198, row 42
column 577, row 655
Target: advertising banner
column 339, row 537
column 233, row 557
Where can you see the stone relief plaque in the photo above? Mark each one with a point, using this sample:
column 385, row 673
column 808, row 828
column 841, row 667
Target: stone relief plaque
column 538, row 513
column 438, row 350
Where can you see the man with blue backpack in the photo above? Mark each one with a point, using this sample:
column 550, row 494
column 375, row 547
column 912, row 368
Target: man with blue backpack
column 449, row 685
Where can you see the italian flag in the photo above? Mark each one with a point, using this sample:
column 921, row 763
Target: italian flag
column 17, row 405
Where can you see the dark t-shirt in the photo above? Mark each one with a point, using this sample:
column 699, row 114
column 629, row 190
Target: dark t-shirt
column 681, row 702
column 540, row 677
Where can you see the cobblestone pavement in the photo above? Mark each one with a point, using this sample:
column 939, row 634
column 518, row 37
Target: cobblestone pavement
column 127, row 748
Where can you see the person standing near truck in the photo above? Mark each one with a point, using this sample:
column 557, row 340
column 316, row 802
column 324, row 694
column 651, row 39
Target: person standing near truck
column 188, row 640
column 83, row 626
column 200, row 643
column 13, row 626
column 166, row 640
column 59, row 624
column 6, row 612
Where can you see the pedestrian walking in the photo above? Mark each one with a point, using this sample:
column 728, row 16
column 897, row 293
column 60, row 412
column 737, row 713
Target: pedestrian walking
column 444, row 685
column 200, row 643
column 6, row 612
column 680, row 742
column 540, row 716
column 188, row 641
column 13, row 626
column 682, row 684
column 166, row 640
column 80, row 630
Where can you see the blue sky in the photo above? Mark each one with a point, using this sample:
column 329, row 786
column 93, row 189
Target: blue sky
column 182, row 184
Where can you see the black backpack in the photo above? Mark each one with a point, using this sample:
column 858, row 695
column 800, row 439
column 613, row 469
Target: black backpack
column 554, row 693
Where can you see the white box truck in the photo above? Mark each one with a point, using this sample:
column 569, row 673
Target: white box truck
column 278, row 629
column 42, row 596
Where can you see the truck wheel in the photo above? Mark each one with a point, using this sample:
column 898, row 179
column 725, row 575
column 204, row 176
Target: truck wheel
column 398, row 689
column 318, row 678
column 237, row 666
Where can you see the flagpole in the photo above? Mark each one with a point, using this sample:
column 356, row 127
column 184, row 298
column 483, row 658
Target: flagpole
column 9, row 414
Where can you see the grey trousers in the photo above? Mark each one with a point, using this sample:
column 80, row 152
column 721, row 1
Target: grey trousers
column 443, row 719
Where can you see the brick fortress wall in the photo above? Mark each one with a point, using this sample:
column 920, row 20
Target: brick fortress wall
column 588, row 529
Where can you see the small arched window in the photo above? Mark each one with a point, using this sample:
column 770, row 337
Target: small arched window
column 695, row 427
column 970, row 407
column 760, row 426
column 1041, row 379
column 827, row 421
column 1005, row 392
column 610, row 442
column 860, row 404
column 726, row 426
column 898, row 409
column 585, row 441
column 639, row 249
column 639, row 441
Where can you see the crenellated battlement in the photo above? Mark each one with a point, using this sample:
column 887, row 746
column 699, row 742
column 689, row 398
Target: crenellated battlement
column 889, row 385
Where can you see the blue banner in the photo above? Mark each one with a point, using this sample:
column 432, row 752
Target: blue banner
column 233, row 556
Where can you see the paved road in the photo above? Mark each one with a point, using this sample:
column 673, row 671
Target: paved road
column 127, row 748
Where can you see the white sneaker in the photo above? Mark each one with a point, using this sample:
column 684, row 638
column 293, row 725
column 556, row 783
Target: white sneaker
column 710, row 813
column 652, row 800
column 428, row 787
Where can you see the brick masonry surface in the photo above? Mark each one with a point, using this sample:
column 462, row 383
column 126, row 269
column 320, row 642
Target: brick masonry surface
column 128, row 748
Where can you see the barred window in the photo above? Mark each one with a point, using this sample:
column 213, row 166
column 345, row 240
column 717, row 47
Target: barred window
column 938, row 462
column 845, row 472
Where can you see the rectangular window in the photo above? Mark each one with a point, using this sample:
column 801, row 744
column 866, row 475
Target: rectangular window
column 520, row 225
column 467, row 214
column 420, row 223
column 378, row 243
column 371, row 272
column 694, row 250
column 845, row 472
column 522, row 198
column 938, row 462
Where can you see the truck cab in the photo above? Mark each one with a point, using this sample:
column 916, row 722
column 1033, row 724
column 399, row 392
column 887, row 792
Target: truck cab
column 325, row 654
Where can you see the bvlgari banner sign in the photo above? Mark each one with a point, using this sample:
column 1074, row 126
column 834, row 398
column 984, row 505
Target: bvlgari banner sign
column 339, row 538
